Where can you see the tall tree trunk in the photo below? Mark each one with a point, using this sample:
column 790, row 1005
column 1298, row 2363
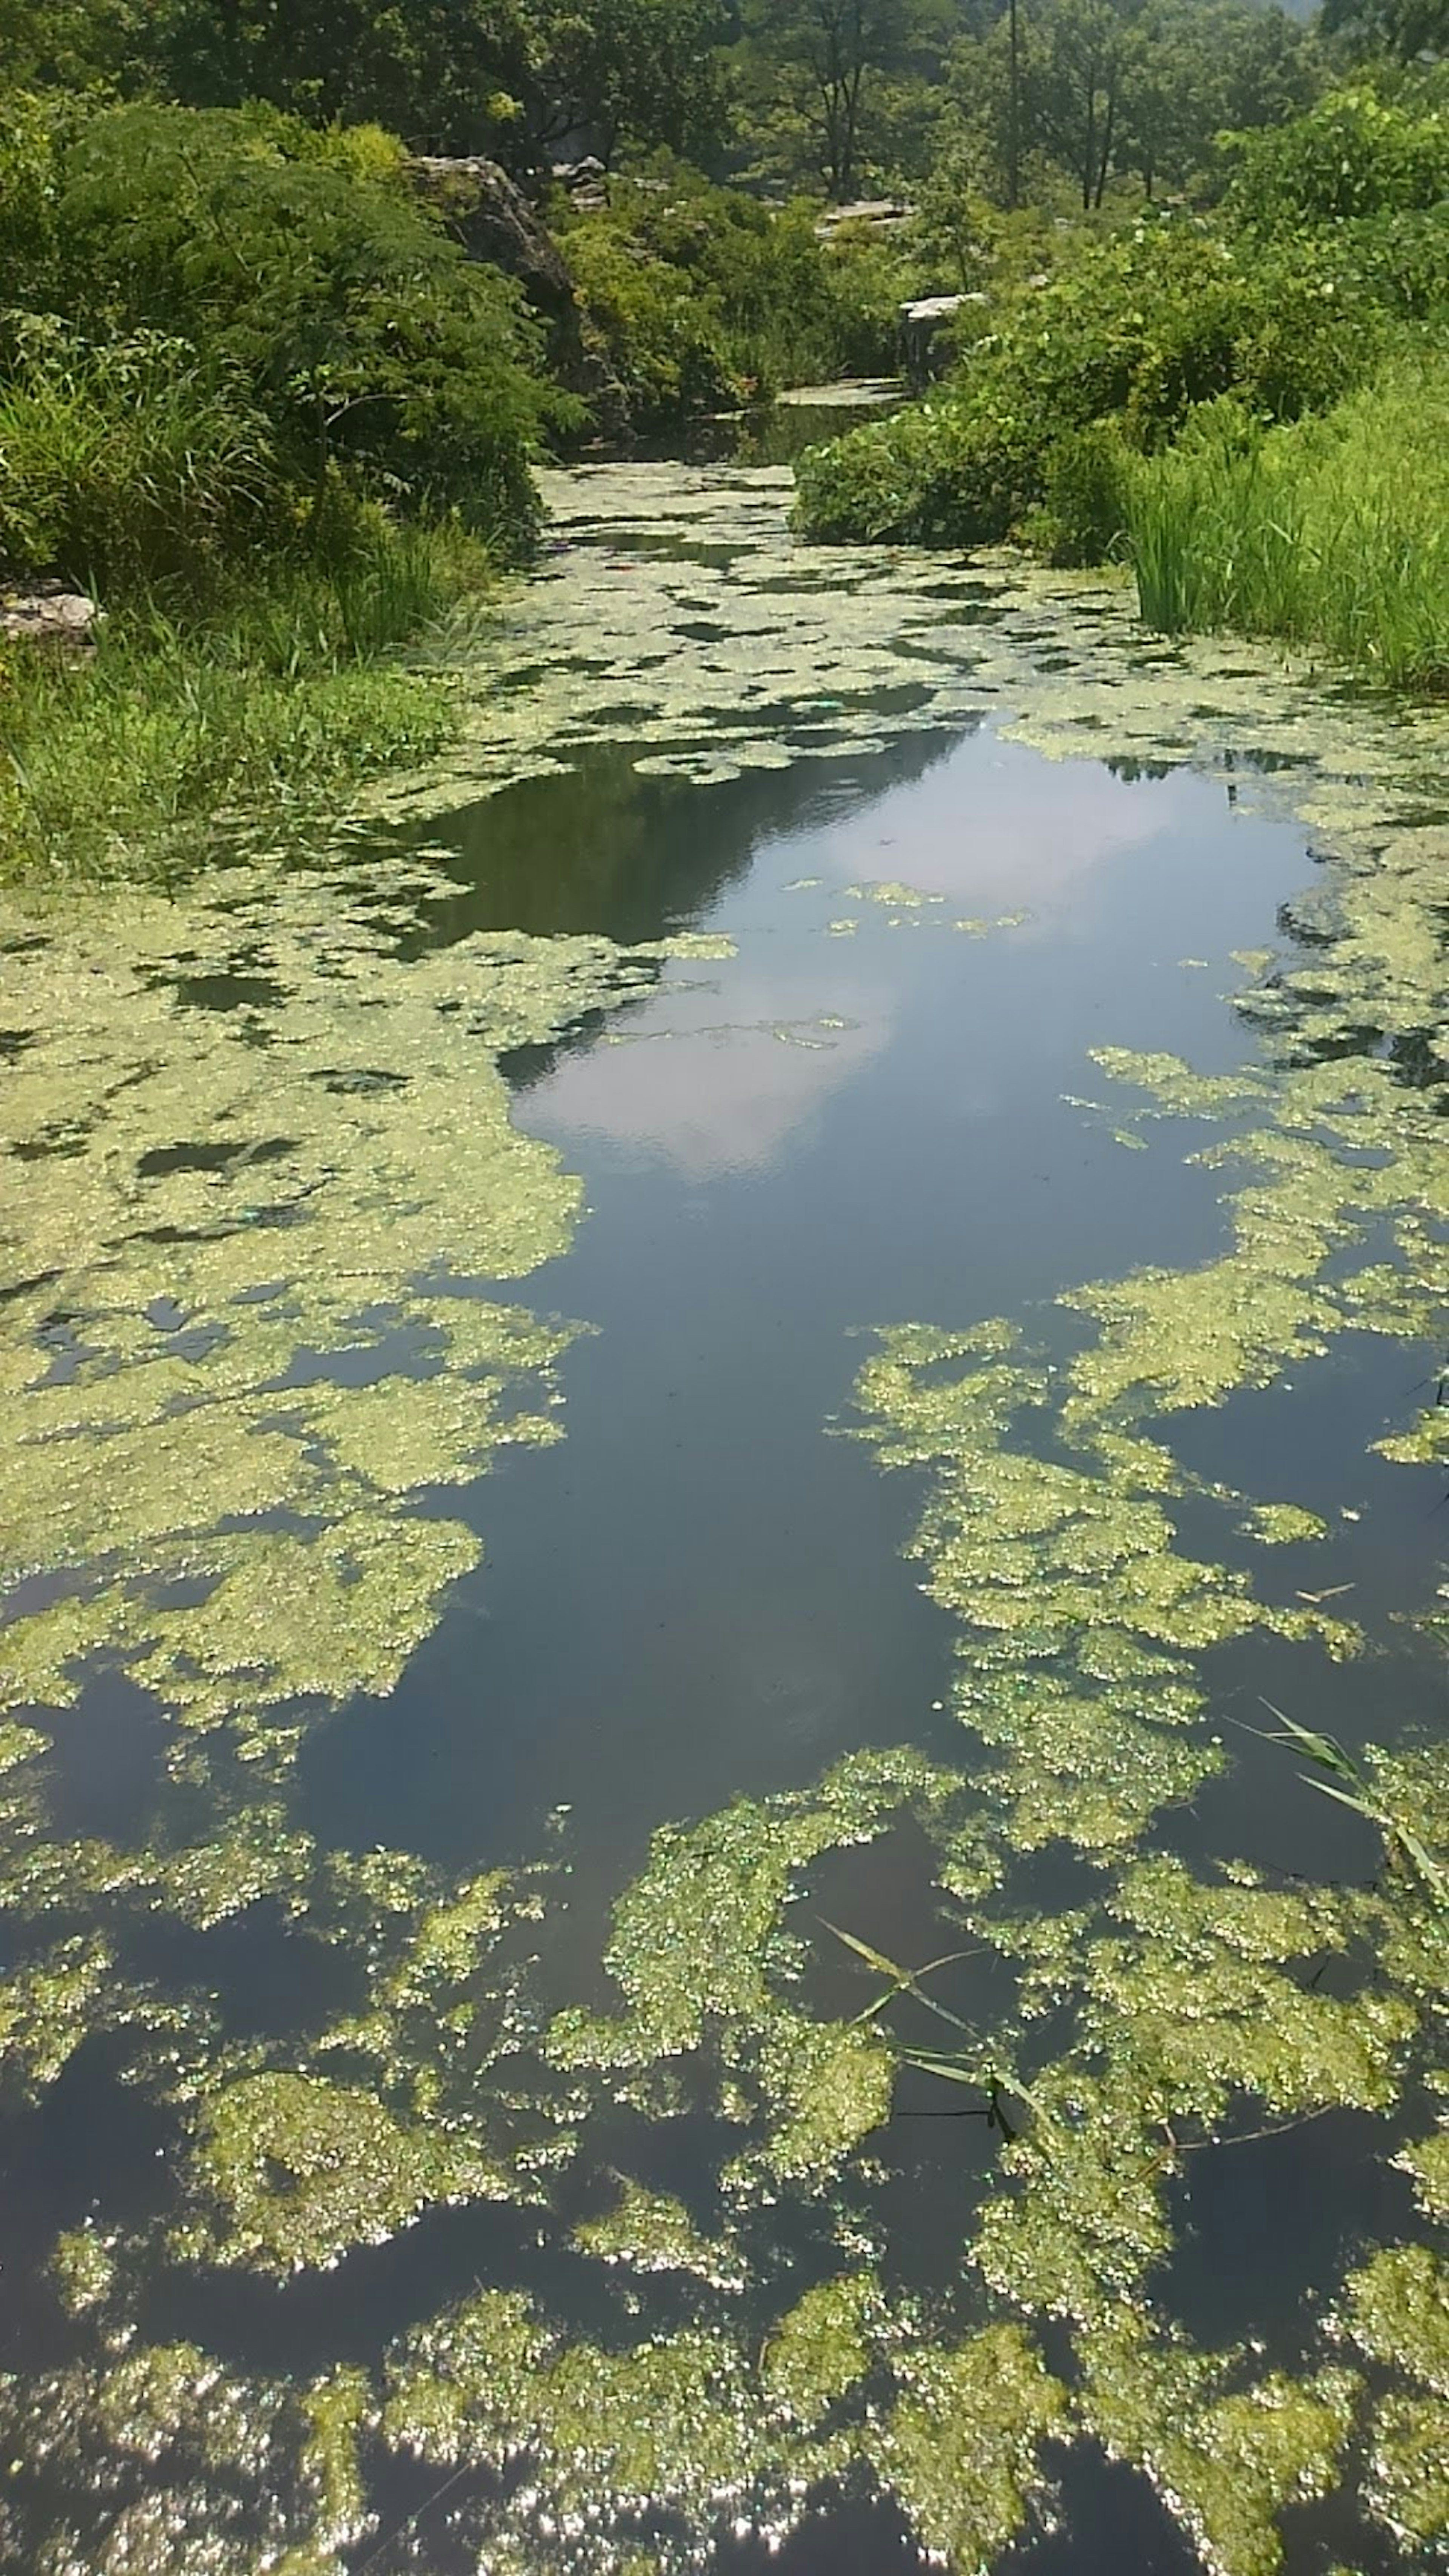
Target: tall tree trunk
column 1013, row 113
column 848, row 179
column 1105, row 160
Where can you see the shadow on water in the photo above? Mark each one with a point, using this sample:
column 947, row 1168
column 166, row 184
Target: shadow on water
column 627, row 855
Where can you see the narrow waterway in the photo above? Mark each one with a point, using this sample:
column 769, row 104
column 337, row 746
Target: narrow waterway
column 756, row 1338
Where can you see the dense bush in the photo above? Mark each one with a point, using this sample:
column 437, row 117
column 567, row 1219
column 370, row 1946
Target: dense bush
column 706, row 297
column 280, row 292
column 1354, row 154
column 1135, row 332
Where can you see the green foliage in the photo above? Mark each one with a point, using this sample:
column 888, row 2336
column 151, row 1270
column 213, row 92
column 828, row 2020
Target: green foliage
column 511, row 77
column 1102, row 92
column 286, row 693
column 1353, row 154
column 816, row 73
column 705, row 297
column 121, row 464
column 1083, row 510
column 1136, row 331
column 1332, row 533
column 362, row 332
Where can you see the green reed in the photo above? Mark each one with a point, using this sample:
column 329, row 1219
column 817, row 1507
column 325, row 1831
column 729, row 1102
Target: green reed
column 1330, row 533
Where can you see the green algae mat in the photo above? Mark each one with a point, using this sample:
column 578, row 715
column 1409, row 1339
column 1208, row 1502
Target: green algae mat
column 726, row 1818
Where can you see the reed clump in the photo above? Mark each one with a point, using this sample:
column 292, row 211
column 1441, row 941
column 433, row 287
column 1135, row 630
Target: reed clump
column 1330, row 533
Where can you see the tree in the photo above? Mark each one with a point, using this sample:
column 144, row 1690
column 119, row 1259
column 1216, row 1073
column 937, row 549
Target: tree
column 1080, row 91
column 514, row 78
column 1172, row 93
column 829, row 54
column 1407, row 28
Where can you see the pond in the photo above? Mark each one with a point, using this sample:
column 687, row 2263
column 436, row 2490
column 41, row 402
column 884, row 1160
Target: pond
column 688, row 1418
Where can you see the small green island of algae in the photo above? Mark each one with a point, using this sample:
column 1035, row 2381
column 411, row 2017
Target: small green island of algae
column 262, row 1333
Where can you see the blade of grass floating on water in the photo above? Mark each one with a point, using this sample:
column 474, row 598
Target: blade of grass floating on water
column 1323, row 1749
column 953, row 2070
column 873, row 1958
column 1360, row 1805
column 1430, row 1870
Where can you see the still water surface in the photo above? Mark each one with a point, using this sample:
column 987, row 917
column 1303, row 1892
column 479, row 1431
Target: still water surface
column 872, row 1104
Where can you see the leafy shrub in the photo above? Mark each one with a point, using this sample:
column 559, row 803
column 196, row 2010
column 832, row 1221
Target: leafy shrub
column 358, row 327
column 1084, row 508
column 1136, row 332
column 705, row 297
column 314, row 292
column 1352, row 155
column 665, row 344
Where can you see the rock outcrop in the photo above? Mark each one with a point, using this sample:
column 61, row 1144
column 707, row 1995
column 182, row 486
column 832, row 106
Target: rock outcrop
column 923, row 340
column 494, row 221
column 45, row 612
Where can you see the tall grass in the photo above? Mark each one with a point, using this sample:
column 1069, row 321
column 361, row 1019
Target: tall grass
column 1331, row 533
column 284, row 697
column 122, row 466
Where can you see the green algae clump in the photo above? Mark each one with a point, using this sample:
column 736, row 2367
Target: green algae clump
column 301, row 2172
column 960, row 2447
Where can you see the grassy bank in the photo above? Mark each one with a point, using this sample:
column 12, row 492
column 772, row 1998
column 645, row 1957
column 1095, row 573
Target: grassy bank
column 1332, row 534
column 1252, row 406
column 258, row 404
column 126, row 760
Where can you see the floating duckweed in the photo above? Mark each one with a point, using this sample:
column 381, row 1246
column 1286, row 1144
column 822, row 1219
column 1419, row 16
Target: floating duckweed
column 48, row 2006
column 301, row 2171
column 1427, row 2159
column 1398, row 2313
column 1089, row 2220
column 84, row 2269
column 890, row 892
column 960, row 2446
column 828, row 2089
column 1189, row 1995
column 1285, row 1524
column 663, row 2428
column 818, row 2351
column 696, row 1935
column 1226, row 2459
column 237, row 1212
column 648, row 2231
column 1407, row 2481
column 1173, row 1087
column 254, row 1342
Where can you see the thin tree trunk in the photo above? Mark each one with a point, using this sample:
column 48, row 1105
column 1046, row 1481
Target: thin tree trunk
column 1013, row 120
column 1105, row 161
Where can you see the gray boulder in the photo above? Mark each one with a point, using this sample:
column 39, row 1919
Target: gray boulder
column 922, row 332
column 494, row 221
column 47, row 613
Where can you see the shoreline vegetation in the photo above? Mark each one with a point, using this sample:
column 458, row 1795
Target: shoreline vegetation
column 275, row 370
column 1247, row 407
